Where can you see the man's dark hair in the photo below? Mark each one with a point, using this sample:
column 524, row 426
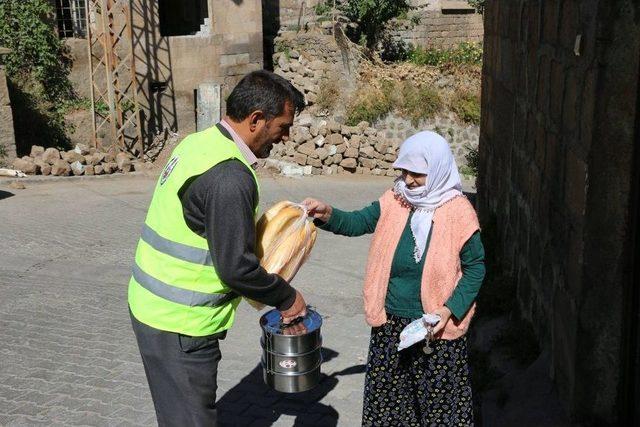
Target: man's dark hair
column 265, row 91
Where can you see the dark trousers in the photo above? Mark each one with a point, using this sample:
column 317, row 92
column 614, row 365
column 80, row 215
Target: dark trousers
column 181, row 371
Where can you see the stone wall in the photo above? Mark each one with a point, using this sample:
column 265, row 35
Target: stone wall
column 320, row 142
column 7, row 136
column 439, row 23
column 560, row 93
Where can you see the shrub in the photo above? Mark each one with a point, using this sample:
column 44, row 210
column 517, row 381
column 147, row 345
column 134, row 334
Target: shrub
column 328, row 94
column 322, row 8
column 465, row 53
column 478, row 4
column 419, row 103
column 472, row 158
column 467, row 107
column 38, row 73
column 370, row 104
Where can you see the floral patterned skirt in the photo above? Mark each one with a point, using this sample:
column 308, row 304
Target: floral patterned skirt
column 411, row 388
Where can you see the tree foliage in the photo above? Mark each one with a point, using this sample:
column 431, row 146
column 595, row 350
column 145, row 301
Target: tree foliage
column 38, row 58
column 371, row 16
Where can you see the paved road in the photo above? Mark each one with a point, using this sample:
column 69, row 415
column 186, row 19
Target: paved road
column 67, row 353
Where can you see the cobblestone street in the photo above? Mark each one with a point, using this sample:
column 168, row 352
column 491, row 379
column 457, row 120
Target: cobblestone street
column 69, row 356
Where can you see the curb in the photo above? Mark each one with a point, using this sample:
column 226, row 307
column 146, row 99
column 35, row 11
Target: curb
column 39, row 179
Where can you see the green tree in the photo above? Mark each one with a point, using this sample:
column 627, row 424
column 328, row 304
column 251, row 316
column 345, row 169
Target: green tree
column 37, row 57
column 371, row 16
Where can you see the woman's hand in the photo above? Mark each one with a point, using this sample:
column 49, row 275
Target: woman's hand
column 445, row 315
column 318, row 209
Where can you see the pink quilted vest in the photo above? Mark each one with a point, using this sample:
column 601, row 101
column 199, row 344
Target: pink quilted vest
column 453, row 224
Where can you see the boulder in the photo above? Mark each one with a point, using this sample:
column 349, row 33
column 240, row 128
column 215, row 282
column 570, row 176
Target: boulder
column 335, row 139
column 77, row 168
column 98, row 169
column 60, row 168
column 355, row 141
column 72, row 156
column 341, row 148
column 109, row 167
column 45, row 169
column 26, row 165
column 351, row 153
column 82, row 149
column 308, row 148
column 89, row 170
column 334, row 126
column 315, row 162
column 123, row 161
column 300, row 159
column 367, row 163
column 322, row 153
column 367, row 152
column 36, row 150
column 50, row 155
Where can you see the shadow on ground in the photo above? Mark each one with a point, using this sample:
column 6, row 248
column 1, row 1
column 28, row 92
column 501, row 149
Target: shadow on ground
column 5, row 195
column 252, row 402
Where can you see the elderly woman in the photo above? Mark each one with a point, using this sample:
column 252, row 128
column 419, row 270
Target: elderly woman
column 426, row 256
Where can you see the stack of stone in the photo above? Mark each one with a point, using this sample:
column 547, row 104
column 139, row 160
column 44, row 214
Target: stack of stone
column 82, row 160
column 328, row 147
column 304, row 74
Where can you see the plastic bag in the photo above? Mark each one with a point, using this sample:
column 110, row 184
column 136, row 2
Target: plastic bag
column 285, row 237
column 417, row 330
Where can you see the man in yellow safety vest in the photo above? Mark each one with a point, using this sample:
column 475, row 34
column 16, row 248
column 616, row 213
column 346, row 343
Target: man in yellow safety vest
column 196, row 256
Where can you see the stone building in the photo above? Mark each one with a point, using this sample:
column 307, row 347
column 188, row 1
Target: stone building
column 559, row 175
column 178, row 45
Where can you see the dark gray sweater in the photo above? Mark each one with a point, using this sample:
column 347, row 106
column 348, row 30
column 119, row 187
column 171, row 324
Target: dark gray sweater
column 218, row 205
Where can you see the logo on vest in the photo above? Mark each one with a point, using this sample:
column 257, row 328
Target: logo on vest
column 168, row 169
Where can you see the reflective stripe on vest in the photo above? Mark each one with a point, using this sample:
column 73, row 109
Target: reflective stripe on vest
column 175, row 249
column 179, row 295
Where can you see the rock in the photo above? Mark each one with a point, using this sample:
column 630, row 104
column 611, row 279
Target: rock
column 351, row 153
column 382, row 147
column 319, row 141
column 316, row 171
column 314, row 131
column 322, row 153
column 315, row 162
column 89, row 170
column 94, row 159
column 390, row 157
column 307, row 170
column 366, row 171
column 349, row 130
column 334, row 126
column 294, row 54
column 36, row 150
column 333, row 149
column 45, row 169
column 362, row 126
column 355, row 141
column 71, row 157
column 98, row 169
column 123, row 162
column 384, row 165
column 283, row 64
column 27, row 166
column 82, row 149
column 337, row 158
column 140, row 166
column 50, row 155
column 370, row 132
column 317, row 65
column 17, row 185
column 312, row 98
column 300, row 159
column 302, row 134
column 109, row 167
column 308, row 148
column 391, row 172
column 60, row 168
column 341, row 148
column 367, row 163
column 77, row 168
column 323, row 131
column 376, row 171
column 367, row 152
column 335, row 139
column 304, row 120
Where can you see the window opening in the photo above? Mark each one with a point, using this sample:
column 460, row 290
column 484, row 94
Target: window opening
column 182, row 17
column 71, row 17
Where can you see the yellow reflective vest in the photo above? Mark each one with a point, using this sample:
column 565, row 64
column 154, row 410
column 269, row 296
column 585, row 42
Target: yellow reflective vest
column 174, row 286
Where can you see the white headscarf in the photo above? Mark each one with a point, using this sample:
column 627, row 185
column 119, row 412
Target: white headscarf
column 427, row 153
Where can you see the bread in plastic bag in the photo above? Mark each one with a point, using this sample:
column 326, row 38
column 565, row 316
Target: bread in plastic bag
column 417, row 330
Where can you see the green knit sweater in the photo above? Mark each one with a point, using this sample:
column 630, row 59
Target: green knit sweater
column 403, row 294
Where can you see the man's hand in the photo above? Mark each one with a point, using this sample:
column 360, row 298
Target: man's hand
column 318, row 209
column 445, row 315
column 297, row 309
